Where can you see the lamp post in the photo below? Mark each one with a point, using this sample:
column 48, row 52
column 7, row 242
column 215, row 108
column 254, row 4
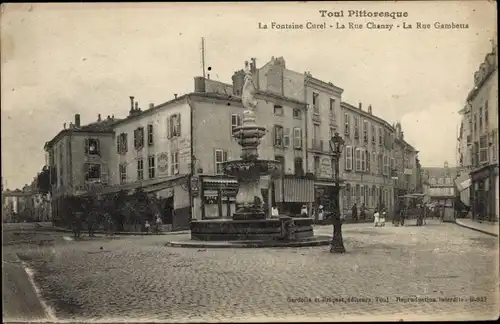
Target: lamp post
column 336, row 147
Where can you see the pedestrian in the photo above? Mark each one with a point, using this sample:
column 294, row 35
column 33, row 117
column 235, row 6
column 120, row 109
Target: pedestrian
column 354, row 211
column 362, row 214
column 158, row 223
column 77, row 224
column 108, row 223
column 303, row 211
column 275, row 212
column 382, row 217
column 376, row 218
column 91, row 222
column 147, row 227
column 320, row 213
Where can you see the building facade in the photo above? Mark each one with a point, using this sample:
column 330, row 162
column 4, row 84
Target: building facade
column 479, row 142
column 439, row 183
column 78, row 158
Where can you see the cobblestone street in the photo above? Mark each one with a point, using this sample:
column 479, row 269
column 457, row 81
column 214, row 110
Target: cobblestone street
column 140, row 278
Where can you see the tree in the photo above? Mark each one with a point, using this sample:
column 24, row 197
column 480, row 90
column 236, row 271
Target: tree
column 43, row 181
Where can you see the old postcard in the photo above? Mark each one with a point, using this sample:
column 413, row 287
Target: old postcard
column 250, row 162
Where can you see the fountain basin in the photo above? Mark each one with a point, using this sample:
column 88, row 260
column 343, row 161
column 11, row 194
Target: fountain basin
column 248, row 230
column 242, row 169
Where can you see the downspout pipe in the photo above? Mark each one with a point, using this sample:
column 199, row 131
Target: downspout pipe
column 193, row 163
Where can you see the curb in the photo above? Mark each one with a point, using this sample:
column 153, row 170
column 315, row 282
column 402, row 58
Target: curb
column 247, row 245
column 476, row 229
column 125, row 233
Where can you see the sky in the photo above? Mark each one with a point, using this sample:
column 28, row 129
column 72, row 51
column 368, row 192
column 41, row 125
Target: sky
column 62, row 59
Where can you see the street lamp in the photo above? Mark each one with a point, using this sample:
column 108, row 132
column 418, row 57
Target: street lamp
column 336, row 147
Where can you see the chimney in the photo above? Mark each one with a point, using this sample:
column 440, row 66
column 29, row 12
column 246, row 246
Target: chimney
column 109, row 117
column 360, row 106
column 253, row 68
column 136, row 106
column 131, row 104
column 98, row 117
column 151, row 105
column 77, row 120
column 64, row 125
column 175, row 95
column 113, row 116
column 370, row 109
column 199, row 84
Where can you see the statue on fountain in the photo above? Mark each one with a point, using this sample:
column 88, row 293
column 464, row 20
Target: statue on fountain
column 248, row 91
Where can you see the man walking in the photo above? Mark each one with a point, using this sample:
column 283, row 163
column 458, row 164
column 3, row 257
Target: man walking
column 362, row 213
column 77, row 224
column 355, row 213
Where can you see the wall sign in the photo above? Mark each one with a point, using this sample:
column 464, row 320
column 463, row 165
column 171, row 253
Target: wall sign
column 163, row 162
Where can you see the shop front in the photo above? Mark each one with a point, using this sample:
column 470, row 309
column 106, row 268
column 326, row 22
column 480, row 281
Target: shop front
column 291, row 193
column 217, row 197
column 484, row 192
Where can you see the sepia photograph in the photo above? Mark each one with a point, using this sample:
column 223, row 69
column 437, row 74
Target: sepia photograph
column 213, row 162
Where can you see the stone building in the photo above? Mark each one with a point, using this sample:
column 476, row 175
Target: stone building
column 478, row 142
column 78, row 158
column 439, row 185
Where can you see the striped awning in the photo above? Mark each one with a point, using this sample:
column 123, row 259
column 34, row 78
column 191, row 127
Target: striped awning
column 220, row 180
column 296, row 190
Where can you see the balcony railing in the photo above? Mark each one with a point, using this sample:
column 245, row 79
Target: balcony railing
column 332, row 119
column 317, row 145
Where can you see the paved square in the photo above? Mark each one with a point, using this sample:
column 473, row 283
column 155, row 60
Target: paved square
column 439, row 271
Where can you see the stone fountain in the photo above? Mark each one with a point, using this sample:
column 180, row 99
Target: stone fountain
column 249, row 222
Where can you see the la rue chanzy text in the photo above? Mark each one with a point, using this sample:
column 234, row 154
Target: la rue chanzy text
column 361, row 14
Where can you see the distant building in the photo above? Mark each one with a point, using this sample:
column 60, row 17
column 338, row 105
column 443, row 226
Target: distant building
column 439, row 183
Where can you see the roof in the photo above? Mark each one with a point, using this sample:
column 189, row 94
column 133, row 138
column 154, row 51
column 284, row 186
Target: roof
column 366, row 114
column 105, row 126
column 198, row 95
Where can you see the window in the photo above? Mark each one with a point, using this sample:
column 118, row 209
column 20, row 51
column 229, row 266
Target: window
column 480, row 118
column 278, row 136
column 433, row 181
column 281, row 160
column 92, row 146
column 139, row 138
column 346, row 125
column 140, row 169
column 393, row 166
column 440, row 181
column 486, row 113
column 150, row 134
column 278, row 110
column 297, row 113
column 368, row 158
column 286, row 137
column 92, row 172
column 316, row 132
column 122, row 143
column 475, row 122
column 494, row 145
column 374, row 141
column 380, row 142
column 174, row 125
column 317, row 170
column 483, row 149
column 356, row 127
column 297, row 138
column 316, row 102
column 174, row 166
column 123, row 173
column 348, row 158
column 365, row 131
column 151, row 167
column 235, row 121
column 374, row 163
column 333, row 114
column 357, row 160
column 363, row 160
column 220, row 157
column 346, row 196
column 298, row 167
